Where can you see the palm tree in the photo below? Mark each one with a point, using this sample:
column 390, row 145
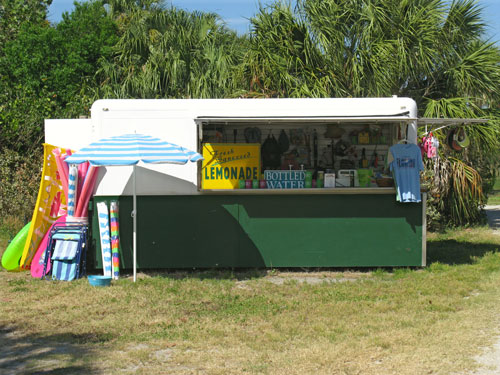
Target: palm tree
column 430, row 50
column 424, row 49
column 165, row 52
column 283, row 59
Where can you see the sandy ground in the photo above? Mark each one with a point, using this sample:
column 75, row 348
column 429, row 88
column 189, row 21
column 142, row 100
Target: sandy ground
column 493, row 213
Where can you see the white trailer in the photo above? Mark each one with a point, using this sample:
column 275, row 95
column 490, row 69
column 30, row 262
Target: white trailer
column 312, row 227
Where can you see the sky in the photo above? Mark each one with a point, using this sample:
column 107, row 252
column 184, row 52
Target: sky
column 236, row 13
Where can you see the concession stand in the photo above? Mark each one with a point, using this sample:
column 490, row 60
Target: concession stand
column 283, row 183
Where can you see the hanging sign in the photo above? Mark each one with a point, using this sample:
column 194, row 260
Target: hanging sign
column 225, row 164
column 286, row 179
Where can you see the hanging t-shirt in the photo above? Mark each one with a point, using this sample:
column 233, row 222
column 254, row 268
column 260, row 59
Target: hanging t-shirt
column 406, row 166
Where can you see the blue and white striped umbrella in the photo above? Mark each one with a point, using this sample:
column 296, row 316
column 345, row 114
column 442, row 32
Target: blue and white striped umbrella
column 130, row 149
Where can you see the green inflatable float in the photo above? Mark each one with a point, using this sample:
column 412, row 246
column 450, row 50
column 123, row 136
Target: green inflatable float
column 14, row 252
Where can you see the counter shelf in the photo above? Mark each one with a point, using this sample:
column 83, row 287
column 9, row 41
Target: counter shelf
column 319, row 191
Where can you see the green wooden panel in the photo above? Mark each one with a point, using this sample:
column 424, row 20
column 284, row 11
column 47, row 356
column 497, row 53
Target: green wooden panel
column 336, row 230
column 269, row 231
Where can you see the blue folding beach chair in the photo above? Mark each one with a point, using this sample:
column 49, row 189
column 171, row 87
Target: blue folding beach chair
column 67, row 248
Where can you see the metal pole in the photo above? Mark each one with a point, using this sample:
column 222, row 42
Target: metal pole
column 134, row 216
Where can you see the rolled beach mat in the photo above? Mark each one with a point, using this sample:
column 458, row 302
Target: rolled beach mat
column 115, row 239
column 103, row 218
column 72, row 189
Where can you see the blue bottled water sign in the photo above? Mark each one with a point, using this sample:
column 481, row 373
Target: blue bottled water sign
column 285, row 179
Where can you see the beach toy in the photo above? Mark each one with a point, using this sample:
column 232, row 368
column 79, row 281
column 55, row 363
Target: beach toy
column 87, row 189
column 103, row 218
column 39, row 258
column 72, row 188
column 115, row 239
column 99, row 280
column 12, row 255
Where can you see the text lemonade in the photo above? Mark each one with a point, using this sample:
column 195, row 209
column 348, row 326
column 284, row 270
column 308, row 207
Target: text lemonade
column 225, row 165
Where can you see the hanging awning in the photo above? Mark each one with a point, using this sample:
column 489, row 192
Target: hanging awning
column 443, row 122
column 394, row 118
column 312, row 120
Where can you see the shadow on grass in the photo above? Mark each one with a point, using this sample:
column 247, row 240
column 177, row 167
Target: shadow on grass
column 39, row 355
column 200, row 273
column 457, row 252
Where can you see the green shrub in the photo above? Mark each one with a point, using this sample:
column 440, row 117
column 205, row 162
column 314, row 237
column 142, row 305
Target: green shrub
column 20, row 179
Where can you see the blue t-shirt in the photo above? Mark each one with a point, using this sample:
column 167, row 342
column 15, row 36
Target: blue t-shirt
column 406, row 167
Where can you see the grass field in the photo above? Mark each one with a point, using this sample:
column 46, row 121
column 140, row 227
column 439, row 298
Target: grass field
column 402, row 321
column 494, row 197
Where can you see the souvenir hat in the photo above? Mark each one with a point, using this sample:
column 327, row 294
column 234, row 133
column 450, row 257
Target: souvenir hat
column 460, row 138
column 450, row 141
column 334, row 131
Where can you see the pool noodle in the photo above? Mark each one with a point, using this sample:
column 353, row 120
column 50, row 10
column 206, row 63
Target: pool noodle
column 60, row 156
column 82, row 173
column 87, row 190
column 84, row 210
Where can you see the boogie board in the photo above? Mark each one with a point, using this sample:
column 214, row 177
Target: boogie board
column 14, row 252
column 38, row 259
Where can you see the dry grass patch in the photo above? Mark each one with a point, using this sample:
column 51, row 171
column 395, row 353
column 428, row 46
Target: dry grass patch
column 432, row 320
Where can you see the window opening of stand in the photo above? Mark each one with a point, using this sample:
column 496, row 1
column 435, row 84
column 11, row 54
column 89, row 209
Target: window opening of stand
column 298, row 153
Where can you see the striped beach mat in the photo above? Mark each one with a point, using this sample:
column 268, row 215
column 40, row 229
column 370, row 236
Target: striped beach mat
column 115, row 239
column 103, row 218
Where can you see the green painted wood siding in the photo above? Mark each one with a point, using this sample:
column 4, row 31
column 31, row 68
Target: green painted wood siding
column 207, row 231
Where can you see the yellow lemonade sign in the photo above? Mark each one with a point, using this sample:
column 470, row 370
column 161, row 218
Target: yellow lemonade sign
column 225, row 164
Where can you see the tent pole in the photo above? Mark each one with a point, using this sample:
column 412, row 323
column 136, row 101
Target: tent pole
column 134, row 234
